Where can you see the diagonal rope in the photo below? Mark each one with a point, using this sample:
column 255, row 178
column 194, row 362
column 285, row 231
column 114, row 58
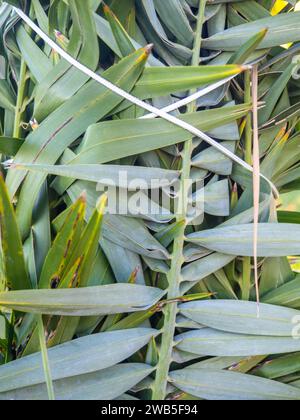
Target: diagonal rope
column 157, row 112
column 191, row 98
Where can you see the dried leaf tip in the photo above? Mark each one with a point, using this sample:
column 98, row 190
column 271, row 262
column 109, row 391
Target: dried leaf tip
column 246, row 67
column 146, row 51
column 106, row 8
column 83, row 197
column 133, row 277
column 149, row 48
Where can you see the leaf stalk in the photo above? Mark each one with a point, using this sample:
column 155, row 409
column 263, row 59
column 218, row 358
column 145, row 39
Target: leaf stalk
column 45, row 358
column 159, row 389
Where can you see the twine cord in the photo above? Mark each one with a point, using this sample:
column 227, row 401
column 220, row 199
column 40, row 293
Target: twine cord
column 150, row 108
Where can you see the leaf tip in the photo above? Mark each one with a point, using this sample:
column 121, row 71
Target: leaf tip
column 145, row 52
column 148, row 49
column 101, row 204
column 83, row 197
column 246, row 67
column 106, row 9
column 264, row 32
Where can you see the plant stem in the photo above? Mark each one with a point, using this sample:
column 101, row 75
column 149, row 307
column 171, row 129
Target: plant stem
column 246, row 276
column 17, row 133
column 20, row 99
column 174, row 275
column 45, row 358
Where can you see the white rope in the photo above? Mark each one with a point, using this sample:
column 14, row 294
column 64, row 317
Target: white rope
column 191, row 98
column 158, row 112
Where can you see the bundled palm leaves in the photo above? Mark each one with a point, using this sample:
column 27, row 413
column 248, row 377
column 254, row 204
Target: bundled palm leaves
column 148, row 305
